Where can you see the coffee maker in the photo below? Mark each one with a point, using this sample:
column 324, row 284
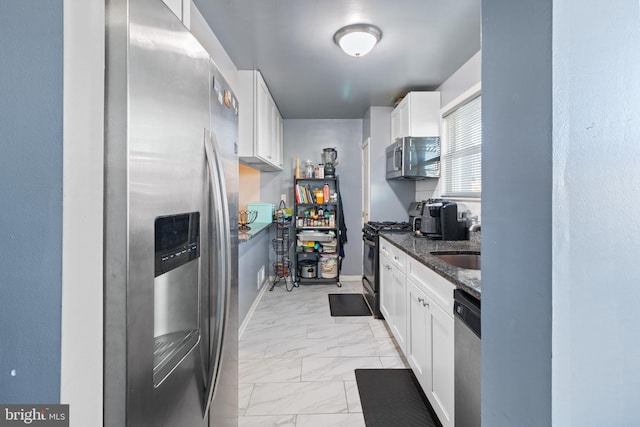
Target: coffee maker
column 415, row 215
column 439, row 221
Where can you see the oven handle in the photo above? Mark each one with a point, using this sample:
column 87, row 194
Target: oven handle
column 367, row 284
column 369, row 242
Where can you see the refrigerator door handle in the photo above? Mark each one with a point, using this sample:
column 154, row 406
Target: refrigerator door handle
column 218, row 188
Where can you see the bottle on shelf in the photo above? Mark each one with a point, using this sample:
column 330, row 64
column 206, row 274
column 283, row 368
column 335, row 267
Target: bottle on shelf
column 308, row 169
column 325, row 192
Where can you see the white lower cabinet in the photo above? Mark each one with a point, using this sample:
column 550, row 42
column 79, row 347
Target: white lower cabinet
column 393, row 290
column 387, row 306
column 417, row 304
column 441, row 393
column 419, row 315
column 400, row 300
column 430, row 337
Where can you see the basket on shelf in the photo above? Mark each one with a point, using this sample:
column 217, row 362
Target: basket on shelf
column 329, row 266
column 316, row 236
column 281, row 269
column 280, row 246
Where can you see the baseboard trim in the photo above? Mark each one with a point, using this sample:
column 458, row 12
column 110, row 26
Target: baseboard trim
column 254, row 306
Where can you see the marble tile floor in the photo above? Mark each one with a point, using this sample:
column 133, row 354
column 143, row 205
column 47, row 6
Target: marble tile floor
column 297, row 362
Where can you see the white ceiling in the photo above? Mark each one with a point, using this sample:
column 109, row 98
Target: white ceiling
column 291, row 43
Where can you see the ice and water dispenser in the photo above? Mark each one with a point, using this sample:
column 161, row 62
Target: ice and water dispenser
column 177, row 261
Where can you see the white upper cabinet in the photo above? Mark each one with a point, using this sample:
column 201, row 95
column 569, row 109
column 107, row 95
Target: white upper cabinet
column 260, row 124
column 418, row 114
column 182, row 9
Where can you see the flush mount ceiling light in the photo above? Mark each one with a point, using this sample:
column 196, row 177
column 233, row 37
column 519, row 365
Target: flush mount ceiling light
column 357, row 39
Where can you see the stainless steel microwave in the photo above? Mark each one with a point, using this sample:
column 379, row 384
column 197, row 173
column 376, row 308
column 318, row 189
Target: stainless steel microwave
column 414, row 158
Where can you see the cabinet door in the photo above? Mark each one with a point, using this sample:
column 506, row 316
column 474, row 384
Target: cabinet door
column 263, row 119
column 399, row 259
column 396, row 125
column 418, row 114
column 418, row 333
column 400, row 307
column 441, row 393
column 384, row 247
column 273, row 128
column 405, row 117
column 279, row 140
column 386, row 288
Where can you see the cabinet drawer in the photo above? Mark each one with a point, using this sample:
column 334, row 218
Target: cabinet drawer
column 385, row 247
column 399, row 258
column 439, row 289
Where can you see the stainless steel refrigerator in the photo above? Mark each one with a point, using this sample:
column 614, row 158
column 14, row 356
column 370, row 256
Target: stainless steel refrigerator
column 171, row 178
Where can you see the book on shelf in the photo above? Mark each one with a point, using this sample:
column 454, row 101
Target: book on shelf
column 304, row 195
column 299, row 194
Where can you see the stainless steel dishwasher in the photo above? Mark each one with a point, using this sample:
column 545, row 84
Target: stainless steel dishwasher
column 466, row 310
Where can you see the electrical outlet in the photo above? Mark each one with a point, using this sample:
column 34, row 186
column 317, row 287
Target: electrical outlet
column 260, row 276
column 283, row 197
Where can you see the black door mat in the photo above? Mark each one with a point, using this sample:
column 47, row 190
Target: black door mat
column 348, row 305
column 393, row 397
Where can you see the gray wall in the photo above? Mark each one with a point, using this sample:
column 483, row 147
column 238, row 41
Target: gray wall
column 272, row 186
column 389, row 199
column 596, row 273
column 306, row 139
column 31, row 39
column 561, row 109
column 516, row 213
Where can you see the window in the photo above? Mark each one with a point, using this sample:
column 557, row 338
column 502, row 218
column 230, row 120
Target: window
column 462, row 151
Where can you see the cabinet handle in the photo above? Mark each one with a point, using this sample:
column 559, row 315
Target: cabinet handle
column 396, row 258
column 424, row 303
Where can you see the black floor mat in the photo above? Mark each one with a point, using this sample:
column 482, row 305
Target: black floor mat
column 348, row 305
column 393, row 397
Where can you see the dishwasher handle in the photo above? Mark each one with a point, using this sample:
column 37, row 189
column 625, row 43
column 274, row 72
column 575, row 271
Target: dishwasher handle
column 467, row 309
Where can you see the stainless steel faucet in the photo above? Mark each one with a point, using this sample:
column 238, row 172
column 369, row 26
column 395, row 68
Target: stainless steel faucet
column 474, row 227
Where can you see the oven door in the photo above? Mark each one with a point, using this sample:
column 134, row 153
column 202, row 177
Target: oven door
column 369, row 263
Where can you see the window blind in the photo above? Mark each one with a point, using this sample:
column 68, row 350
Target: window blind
column 461, row 159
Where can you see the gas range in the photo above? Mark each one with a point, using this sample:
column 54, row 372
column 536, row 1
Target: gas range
column 372, row 228
column 371, row 259
column 388, row 226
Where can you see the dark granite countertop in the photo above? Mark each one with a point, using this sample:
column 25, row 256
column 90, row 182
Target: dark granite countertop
column 256, row 227
column 420, row 248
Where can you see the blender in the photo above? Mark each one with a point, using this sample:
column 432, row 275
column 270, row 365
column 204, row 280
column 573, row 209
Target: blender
column 329, row 156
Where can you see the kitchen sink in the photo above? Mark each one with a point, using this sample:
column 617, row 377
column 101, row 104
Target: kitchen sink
column 469, row 260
